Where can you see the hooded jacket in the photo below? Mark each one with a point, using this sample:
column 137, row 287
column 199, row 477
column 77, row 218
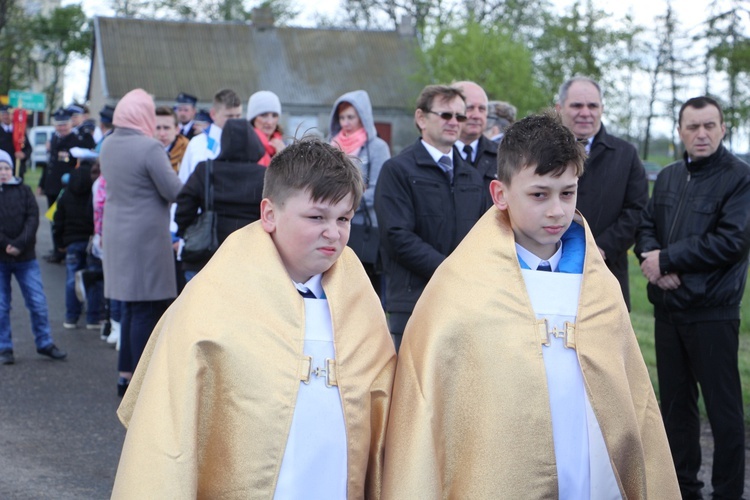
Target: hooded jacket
column 372, row 155
column 19, row 220
column 74, row 217
column 237, row 182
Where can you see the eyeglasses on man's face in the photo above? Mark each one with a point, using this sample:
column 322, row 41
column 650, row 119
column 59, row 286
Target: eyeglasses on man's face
column 445, row 115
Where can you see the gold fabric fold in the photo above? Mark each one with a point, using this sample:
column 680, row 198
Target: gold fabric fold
column 210, row 406
column 470, row 414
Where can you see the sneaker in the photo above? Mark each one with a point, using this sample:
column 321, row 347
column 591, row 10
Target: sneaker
column 114, row 335
column 69, row 326
column 93, row 326
column 52, row 351
column 6, row 358
column 105, row 329
column 80, row 289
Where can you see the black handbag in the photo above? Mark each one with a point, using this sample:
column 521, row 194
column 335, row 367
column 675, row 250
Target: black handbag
column 200, row 237
column 364, row 238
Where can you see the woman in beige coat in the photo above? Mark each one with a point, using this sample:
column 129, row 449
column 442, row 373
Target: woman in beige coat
column 138, row 260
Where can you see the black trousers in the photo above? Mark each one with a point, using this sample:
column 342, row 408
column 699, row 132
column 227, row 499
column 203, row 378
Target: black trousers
column 138, row 320
column 702, row 353
column 397, row 324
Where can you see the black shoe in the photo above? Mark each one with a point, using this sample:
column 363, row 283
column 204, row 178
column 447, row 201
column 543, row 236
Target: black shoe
column 54, row 258
column 122, row 386
column 53, row 352
column 6, row 357
column 105, row 330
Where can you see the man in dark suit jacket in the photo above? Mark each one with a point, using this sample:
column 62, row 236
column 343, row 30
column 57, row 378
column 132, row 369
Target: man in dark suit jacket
column 613, row 189
column 185, row 111
column 474, row 147
column 6, row 139
column 426, row 200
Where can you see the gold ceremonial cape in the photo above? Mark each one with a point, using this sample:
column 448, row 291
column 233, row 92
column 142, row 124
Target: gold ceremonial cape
column 210, row 406
column 470, row 415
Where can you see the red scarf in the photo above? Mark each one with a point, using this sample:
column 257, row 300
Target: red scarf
column 352, row 143
column 270, row 150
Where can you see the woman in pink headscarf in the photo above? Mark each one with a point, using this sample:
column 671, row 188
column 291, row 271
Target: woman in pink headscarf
column 137, row 246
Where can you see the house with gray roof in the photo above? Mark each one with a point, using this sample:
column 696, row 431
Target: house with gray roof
column 308, row 68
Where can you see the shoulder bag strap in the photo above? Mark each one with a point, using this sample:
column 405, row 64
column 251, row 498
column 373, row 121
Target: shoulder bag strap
column 208, row 196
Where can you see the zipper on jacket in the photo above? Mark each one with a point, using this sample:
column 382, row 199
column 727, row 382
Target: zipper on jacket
column 671, row 229
column 679, row 209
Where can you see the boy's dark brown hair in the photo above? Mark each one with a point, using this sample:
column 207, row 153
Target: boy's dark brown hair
column 539, row 141
column 312, row 165
column 166, row 111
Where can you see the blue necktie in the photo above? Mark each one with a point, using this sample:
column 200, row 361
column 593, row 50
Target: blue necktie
column 544, row 266
column 307, row 294
column 447, row 164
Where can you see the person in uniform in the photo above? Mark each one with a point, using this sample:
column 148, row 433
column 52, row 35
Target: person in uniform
column 61, row 162
column 6, row 140
column 185, row 110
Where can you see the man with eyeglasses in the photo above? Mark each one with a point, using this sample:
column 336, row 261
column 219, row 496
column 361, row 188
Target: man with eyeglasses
column 426, row 200
column 474, row 147
column 613, row 189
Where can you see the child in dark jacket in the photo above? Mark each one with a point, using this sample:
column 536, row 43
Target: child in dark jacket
column 19, row 220
column 73, row 227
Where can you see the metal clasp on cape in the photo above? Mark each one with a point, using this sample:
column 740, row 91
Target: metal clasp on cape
column 329, row 371
column 567, row 334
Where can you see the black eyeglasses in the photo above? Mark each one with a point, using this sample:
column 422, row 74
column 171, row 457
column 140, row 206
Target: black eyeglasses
column 447, row 116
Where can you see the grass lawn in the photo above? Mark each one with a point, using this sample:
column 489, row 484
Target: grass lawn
column 31, row 178
column 642, row 317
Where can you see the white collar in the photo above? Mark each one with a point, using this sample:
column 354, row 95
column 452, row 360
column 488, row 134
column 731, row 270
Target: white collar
column 313, row 285
column 533, row 261
column 436, row 153
column 474, row 148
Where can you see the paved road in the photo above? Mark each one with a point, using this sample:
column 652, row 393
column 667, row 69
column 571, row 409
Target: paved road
column 59, row 436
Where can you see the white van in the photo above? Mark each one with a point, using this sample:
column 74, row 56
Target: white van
column 39, row 137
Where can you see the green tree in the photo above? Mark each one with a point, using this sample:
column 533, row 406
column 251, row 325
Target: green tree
column 729, row 51
column 65, row 33
column 224, row 10
column 488, row 56
column 579, row 42
column 18, row 68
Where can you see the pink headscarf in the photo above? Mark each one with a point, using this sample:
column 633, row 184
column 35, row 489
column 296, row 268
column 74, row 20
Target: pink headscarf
column 136, row 110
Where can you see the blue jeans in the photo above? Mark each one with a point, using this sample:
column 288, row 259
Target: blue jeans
column 29, row 279
column 76, row 260
column 115, row 310
column 138, row 320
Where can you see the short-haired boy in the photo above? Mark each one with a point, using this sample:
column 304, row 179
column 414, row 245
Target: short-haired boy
column 518, row 383
column 271, row 373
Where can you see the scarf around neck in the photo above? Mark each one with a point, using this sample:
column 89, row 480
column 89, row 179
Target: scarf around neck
column 352, row 143
column 270, row 150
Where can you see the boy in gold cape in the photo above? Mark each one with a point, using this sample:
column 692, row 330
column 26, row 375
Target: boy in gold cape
column 270, row 376
column 514, row 382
